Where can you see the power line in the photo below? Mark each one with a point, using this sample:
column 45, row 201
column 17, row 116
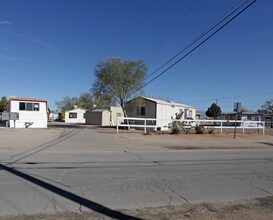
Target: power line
column 198, row 45
column 174, row 28
column 244, row 96
column 233, row 97
column 219, row 21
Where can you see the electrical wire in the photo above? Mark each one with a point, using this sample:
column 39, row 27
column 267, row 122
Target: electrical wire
column 197, row 46
column 174, row 28
column 219, row 21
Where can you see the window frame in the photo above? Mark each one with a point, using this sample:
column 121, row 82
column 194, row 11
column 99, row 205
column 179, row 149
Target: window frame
column 73, row 115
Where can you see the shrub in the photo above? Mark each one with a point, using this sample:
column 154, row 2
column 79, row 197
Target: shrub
column 210, row 130
column 199, row 129
column 177, row 127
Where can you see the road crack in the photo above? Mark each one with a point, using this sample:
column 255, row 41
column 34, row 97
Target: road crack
column 260, row 188
column 172, row 190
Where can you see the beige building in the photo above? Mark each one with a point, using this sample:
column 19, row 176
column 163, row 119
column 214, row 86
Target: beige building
column 104, row 117
column 162, row 111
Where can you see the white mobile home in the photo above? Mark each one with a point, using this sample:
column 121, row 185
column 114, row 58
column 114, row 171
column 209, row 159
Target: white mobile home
column 162, row 111
column 104, row 117
column 32, row 112
column 75, row 116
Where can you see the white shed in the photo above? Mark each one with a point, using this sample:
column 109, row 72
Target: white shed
column 32, row 112
column 75, row 116
column 163, row 111
column 104, row 117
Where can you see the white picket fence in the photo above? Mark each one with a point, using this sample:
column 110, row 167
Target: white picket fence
column 146, row 123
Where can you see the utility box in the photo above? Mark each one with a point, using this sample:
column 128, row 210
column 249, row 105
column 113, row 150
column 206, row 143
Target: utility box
column 5, row 116
column 13, row 116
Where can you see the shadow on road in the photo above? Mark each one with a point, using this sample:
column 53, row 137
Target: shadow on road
column 70, row 196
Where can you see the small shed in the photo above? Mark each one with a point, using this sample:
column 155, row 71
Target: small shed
column 161, row 110
column 76, row 115
column 32, row 112
column 104, row 117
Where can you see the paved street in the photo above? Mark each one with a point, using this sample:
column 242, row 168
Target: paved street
column 49, row 179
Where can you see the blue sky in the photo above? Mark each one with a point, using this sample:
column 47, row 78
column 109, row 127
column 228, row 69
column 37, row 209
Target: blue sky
column 49, row 48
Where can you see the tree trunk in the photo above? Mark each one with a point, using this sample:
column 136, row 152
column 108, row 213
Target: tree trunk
column 125, row 115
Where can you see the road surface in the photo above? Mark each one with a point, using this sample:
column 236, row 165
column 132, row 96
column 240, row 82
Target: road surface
column 42, row 180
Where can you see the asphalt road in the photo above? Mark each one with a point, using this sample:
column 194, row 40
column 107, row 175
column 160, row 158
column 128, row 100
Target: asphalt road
column 43, row 181
column 49, row 183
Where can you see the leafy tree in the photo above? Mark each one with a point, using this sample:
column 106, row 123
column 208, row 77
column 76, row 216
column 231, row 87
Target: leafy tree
column 116, row 80
column 67, row 103
column 3, row 104
column 213, row 111
column 85, row 101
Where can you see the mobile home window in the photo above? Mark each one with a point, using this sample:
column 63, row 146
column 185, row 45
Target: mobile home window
column 36, row 107
column 140, row 110
column 190, row 113
column 22, row 106
column 29, row 106
column 72, row 115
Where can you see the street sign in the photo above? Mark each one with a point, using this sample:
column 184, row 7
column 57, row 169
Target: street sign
column 14, row 116
column 237, row 107
column 5, row 116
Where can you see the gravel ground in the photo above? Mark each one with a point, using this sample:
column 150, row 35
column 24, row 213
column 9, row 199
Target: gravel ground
column 260, row 208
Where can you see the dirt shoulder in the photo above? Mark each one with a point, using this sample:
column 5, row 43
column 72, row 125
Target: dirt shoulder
column 94, row 138
column 200, row 141
column 260, row 208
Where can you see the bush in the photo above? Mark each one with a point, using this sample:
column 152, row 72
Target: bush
column 210, row 130
column 199, row 129
column 177, row 127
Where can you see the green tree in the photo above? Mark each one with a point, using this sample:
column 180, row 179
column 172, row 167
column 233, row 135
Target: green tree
column 3, row 104
column 86, row 101
column 67, row 103
column 214, row 111
column 116, row 81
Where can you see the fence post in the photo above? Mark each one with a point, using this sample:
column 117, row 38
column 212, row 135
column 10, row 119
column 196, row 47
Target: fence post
column 243, row 127
column 145, row 129
column 221, row 127
column 117, row 124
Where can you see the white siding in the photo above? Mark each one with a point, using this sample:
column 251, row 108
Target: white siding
column 35, row 119
column 80, row 116
column 166, row 113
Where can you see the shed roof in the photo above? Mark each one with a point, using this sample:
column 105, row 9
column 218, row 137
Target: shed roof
column 100, row 110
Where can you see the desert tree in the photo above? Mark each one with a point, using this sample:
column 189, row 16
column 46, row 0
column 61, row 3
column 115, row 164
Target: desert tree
column 116, row 81
column 67, row 103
